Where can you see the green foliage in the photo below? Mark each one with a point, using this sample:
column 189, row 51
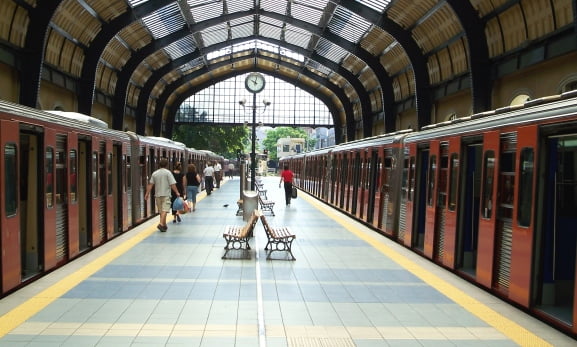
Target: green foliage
column 222, row 140
column 272, row 137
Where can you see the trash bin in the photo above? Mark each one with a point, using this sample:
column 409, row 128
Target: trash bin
column 249, row 203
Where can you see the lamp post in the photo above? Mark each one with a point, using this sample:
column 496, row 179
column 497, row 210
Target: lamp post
column 254, row 83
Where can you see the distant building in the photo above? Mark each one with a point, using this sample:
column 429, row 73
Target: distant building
column 289, row 146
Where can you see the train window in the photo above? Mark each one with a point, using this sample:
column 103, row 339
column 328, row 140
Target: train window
column 109, row 173
column 73, row 175
column 443, row 175
column 49, row 171
column 431, row 180
column 127, row 173
column 412, row 178
column 488, row 181
column 94, row 169
column 525, row 198
column 405, row 178
column 506, row 185
column 11, row 177
column 454, row 169
column 101, row 175
column 60, row 177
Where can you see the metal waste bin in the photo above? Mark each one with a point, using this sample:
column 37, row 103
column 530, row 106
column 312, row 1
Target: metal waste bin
column 249, row 203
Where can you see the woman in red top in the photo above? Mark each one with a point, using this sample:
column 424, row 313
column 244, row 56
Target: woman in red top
column 287, row 176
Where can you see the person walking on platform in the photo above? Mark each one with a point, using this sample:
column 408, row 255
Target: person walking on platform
column 208, row 173
column 286, row 176
column 163, row 181
column 191, row 181
column 217, row 174
column 230, row 170
column 178, row 175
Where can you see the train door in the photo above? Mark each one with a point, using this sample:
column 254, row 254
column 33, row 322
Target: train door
column 435, row 196
column 469, row 202
column 374, row 199
column 555, row 242
column 408, row 187
column 365, row 185
column 387, row 203
column 343, row 179
column 129, row 218
column 61, row 198
column 504, row 226
column 356, row 183
column 450, row 218
column 424, row 186
column 72, row 199
column 116, row 188
column 353, row 182
column 99, row 222
column 84, row 195
column 49, row 227
column 488, row 220
column 440, row 219
column 334, row 168
column 29, row 162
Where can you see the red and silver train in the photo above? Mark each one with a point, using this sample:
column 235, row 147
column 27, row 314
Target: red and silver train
column 492, row 197
column 69, row 184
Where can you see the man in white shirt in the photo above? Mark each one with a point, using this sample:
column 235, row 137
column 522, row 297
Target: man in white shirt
column 208, row 173
column 217, row 173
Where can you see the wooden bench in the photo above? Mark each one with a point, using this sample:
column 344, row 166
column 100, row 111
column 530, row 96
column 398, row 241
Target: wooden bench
column 237, row 236
column 266, row 205
column 280, row 239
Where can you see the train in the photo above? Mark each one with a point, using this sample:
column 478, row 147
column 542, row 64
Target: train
column 491, row 197
column 70, row 184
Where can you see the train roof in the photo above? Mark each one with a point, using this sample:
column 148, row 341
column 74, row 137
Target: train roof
column 73, row 120
column 543, row 109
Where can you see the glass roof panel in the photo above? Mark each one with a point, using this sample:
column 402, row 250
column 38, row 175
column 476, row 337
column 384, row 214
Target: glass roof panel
column 181, row 47
column 313, row 65
column 270, row 28
column 377, row 5
column 242, row 27
column 278, row 6
column 134, row 3
column 331, row 51
column 297, row 36
column 164, row 21
column 204, row 10
column 306, row 13
column 348, row 25
column 215, row 34
column 239, row 5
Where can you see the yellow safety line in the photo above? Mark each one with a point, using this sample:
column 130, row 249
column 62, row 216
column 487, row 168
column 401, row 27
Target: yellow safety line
column 38, row 302
column 509, row 328
column 35, row 304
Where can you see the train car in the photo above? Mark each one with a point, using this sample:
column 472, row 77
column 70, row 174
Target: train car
column 62, row 182
column 70, row 184
column 491, row 196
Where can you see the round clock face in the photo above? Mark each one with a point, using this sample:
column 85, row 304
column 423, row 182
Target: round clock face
column 254, row 82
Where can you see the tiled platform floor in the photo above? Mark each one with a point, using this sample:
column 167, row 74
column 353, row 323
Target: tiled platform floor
column 348, row 287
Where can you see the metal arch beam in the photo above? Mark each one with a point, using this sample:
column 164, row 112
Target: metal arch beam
column 145, row 92
column 141, row 122
column 120, row 91
column 423, row 93
column 33, row 52
column 384, row 79
column 347, row 105
column 479, row 61
column 87, row 81
column 382, row 76
column 174, row 107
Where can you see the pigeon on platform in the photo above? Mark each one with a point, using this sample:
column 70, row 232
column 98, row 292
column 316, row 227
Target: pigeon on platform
column 225, row 205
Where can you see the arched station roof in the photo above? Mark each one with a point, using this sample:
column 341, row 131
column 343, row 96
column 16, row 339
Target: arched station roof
column 367, row 60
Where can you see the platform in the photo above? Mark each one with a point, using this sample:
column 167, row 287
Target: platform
column 348, row 287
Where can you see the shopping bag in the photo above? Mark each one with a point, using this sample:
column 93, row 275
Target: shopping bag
column 294, row 192
column 185, row 208
column 177, row 204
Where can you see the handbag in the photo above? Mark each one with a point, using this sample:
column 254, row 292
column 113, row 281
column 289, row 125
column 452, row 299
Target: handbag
column 294, row 192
